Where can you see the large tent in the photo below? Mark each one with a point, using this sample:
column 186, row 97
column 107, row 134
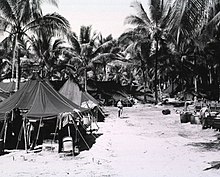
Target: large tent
column 40, row 100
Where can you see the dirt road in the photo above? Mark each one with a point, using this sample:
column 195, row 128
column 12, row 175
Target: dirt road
column 143, row 143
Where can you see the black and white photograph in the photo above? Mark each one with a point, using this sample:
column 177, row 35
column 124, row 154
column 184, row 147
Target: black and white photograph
column 109, row 88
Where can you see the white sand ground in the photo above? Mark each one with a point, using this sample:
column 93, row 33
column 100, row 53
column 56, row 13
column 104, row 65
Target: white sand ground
column 143, row 143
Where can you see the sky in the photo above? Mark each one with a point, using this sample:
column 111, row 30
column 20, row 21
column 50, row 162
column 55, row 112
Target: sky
column 105, row 16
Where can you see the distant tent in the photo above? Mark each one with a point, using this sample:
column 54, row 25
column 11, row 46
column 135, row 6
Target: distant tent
column 9, row 87
column 110, row 91
column 171, row 88
column 72, row 91
column 4, row 95
column 39, row 99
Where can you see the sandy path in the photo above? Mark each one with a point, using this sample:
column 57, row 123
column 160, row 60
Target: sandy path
column 143, row 143
column 147, row 143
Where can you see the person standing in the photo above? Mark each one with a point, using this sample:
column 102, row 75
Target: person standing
column 120, row 108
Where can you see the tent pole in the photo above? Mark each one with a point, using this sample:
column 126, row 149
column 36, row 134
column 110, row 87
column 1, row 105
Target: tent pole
column 5, row 133
column 38, row 132
column 54, row 136
column 68, row 130
column 28, row 134
column 25, row 133
column 3, row 127
column 19, row 137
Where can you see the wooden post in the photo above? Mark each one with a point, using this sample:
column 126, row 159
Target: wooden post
column 195, row 88
column 25, row 133
column 5, row 132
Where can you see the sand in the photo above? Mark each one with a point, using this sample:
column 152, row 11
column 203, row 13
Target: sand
column 142, row 143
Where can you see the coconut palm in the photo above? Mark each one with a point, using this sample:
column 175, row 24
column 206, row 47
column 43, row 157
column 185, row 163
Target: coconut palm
column 82, row 51
column 48, row 49
column 138, row 48
column 155, row 23
column 91, row 52
column 20, row 17
column 194, row 22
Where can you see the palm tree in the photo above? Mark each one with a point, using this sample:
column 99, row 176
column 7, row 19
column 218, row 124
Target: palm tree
column 194, row 22
column 155, row 23
column 20, row 17
column 138, row 48
column 106, row 52
column 82, row 51
column 91, row 51
column 48, row 49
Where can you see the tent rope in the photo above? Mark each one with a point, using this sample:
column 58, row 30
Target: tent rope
column 81, row 135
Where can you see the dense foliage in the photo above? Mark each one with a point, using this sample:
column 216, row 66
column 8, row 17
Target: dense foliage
column 171, row 43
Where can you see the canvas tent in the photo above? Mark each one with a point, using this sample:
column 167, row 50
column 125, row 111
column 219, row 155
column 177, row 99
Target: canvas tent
column 9, row 87
column 39, row 101
column 110, row 91
column 6, row 89
column 72, row 91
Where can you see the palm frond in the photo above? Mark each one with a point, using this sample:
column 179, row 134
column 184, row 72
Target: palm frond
column 187, row 15
column 156, row 10
column 104, row 58
column 74, row 43
column 5, row 23
column 104, row 48
column 53, row 2
column 134, row 20
column 85, row 34
column 52, row 23
column 8, row 9
column 141, row 13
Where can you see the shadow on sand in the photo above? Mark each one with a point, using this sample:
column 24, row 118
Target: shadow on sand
column 88, row 140
column 209, row 146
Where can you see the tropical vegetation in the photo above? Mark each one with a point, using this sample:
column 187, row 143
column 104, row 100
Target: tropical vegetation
column 171, row 42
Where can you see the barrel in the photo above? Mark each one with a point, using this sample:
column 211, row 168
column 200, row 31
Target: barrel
column 185, row 117
column 68, row 144
column 1, row 146
column 197, row 119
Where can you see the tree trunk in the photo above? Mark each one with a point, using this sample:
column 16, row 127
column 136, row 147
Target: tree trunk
column 17, row 83
column 195, row 87
column 195, row 79
column 14, row 56
column 156, row 63
column 85, row 81
column 145, row 86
